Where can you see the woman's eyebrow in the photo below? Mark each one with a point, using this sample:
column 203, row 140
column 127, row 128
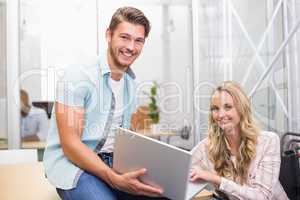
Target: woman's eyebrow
column 214, row 106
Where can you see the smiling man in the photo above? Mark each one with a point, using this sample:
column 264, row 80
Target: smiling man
column 91, row 102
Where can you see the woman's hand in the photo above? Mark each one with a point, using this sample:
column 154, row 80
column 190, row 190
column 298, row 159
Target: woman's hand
column 203, row 175
column 130, row 183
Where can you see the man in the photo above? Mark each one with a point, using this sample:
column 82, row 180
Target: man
column 34, row 121
column 91, row 102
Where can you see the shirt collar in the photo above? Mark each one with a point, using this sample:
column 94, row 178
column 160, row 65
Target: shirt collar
column 104, row 67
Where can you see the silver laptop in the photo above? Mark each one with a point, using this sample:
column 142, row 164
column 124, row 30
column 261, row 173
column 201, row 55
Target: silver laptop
column 167, row 166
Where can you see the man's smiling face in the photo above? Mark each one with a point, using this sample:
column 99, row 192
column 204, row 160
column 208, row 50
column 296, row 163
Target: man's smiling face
column 125, row 44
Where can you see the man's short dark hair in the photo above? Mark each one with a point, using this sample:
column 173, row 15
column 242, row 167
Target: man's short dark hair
column 131, row 15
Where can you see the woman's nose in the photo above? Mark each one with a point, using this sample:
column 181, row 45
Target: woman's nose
column 221, row 113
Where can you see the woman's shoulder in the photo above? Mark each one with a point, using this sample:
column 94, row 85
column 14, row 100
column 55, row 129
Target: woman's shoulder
column 201, row 145
column 268, row 137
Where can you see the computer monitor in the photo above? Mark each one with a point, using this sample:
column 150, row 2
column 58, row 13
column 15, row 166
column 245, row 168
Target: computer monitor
column 46, row 105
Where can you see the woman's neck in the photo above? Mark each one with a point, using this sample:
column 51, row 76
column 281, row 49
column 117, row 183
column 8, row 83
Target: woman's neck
column 233, row 140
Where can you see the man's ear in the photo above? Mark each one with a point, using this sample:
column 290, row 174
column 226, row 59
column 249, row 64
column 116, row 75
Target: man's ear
column 108, row 35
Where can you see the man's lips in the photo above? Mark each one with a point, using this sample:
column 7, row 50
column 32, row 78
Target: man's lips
column 126, row 54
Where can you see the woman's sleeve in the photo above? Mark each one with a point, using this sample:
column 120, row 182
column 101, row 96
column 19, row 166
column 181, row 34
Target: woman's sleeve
column 265, row 178
column 199, row 157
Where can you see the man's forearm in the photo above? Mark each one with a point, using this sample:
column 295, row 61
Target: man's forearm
column 88, row 160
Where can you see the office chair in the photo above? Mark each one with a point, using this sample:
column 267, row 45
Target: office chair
column 289, row 176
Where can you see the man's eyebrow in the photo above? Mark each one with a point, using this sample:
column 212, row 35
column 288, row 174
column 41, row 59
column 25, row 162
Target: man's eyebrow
column 125, row 34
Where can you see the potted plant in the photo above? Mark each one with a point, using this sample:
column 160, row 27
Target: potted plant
column 153, row 108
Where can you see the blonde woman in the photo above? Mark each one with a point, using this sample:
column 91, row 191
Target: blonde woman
column 239, row 159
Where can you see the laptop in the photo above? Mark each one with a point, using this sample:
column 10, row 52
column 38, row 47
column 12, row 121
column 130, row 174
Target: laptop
column 167, row 166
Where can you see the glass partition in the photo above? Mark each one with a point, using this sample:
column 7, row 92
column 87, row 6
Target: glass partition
column 3, row 72
column 53, row 35
column 259, row 51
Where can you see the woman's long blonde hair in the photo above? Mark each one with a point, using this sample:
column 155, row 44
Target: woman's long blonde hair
column 219, row 154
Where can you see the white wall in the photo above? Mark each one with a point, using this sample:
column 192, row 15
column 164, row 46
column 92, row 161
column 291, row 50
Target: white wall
column 69, row 37
column 54, row 34
column 30, row 48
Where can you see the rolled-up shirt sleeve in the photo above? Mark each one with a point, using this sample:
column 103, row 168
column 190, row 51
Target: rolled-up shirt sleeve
column 263, row 182
column 72, row 89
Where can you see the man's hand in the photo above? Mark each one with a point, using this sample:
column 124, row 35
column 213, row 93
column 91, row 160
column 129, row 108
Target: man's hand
column 130, row 183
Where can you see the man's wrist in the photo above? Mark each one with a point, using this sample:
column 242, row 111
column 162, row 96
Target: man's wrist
column 111, row 177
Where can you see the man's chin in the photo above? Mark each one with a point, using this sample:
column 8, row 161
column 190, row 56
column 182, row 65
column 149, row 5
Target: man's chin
column 126, row 62
column 124, row 65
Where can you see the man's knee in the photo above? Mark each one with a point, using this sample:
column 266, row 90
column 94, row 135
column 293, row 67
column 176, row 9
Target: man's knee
column 89, row 187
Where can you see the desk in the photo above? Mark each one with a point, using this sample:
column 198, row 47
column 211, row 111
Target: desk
column 25, row 181
column 203, row 195
column 149, row 133
column 34, row 145
column 3, row 144
column 25, row 145
column 39, row 145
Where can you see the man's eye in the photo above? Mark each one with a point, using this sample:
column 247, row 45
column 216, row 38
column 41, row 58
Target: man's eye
column 124, row 37
column 140, row 41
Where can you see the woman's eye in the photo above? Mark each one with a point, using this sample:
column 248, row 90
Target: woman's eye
column 214, row 109
column 228, row 107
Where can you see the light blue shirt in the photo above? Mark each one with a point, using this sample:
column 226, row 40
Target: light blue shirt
column 86, row 86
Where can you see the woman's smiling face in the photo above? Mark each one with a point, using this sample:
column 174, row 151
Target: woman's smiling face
column 224, row 111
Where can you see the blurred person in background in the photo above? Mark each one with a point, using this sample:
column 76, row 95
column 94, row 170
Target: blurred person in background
column 34, row 121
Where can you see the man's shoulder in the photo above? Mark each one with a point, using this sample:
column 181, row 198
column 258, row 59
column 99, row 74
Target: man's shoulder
column 87, row 70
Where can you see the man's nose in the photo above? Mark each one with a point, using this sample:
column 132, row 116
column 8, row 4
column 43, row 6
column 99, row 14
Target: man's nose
column 130, row 45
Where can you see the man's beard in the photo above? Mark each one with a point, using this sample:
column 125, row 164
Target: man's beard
column 115, row 60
